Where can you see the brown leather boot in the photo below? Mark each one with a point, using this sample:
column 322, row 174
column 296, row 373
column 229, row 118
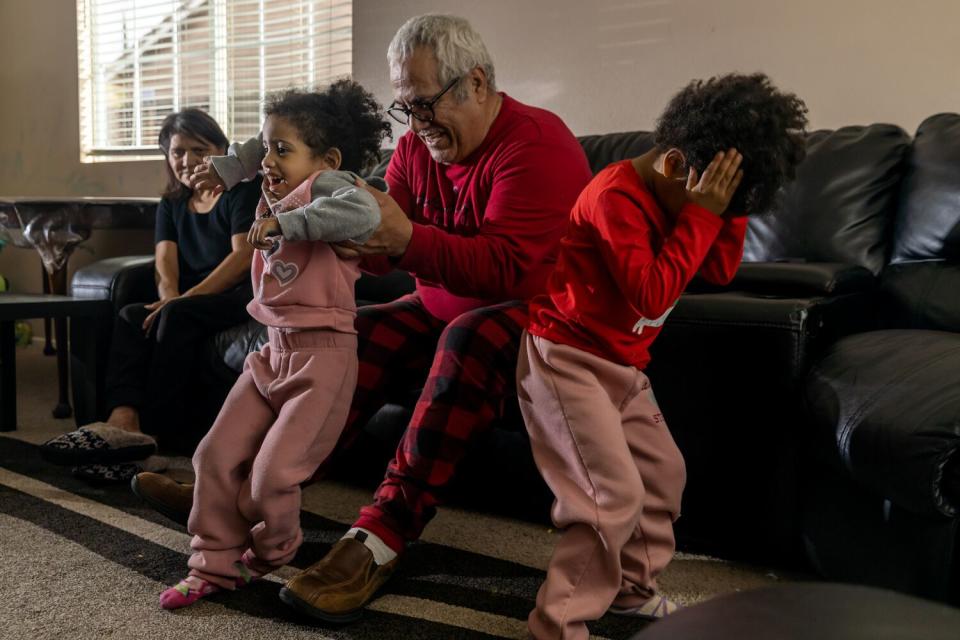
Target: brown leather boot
column 164, row 494
column 336, row 588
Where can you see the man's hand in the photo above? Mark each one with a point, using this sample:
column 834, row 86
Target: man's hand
column 719, row 182
column 205, row 178
column 391, row 238
column 263, row 233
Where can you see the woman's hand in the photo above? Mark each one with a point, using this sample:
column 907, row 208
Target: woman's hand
column 167, row 291
column 154, row 308
column 715, row 188
column 206, row 178
column 263, row 233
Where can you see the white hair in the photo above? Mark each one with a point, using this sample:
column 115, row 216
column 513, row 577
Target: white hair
column 456, row 46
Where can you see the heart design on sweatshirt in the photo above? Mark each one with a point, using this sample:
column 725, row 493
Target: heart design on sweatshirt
column 284, row 272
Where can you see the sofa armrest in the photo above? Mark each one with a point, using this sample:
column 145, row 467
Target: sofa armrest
column 797, row 326
column 122, row 280
column 727, row 370
column 796, row 279
column 885, row 406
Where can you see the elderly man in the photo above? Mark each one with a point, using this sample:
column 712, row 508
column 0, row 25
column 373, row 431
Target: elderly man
column 480, row 190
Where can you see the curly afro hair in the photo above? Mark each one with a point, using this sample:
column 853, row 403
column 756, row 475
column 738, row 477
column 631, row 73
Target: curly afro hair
column 742, row 111
column 343, row 115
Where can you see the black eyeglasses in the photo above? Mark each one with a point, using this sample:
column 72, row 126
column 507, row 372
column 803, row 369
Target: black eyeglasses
column 422, row 111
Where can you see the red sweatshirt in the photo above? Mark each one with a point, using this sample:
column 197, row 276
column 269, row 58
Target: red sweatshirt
column 487, row 229
column 624, row 263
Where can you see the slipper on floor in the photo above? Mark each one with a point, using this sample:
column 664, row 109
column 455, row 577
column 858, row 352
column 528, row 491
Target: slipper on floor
column 106, row 473
column 97, row 443
column 116, row 473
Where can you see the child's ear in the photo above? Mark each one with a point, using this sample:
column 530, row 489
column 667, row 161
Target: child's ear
column 333, row 157
column 674, row 165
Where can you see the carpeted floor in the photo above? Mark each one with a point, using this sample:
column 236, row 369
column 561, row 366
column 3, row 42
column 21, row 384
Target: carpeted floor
column 78, row 561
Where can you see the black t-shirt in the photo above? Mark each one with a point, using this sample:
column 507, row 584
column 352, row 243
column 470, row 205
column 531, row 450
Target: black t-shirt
column 203, row 239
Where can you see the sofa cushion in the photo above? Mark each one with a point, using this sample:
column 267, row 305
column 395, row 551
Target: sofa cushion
column 886, row 409
column 928, row 221
column 841, row 206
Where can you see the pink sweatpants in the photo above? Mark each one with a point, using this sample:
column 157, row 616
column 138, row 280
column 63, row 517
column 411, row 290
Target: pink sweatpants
column 604, row 450
column 280, row 421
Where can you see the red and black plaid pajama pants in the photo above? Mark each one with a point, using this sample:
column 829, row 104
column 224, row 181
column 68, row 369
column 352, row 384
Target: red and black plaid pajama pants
column 467, row 369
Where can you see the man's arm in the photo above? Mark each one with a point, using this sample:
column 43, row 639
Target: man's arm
column 527, row 213
column 531, row 196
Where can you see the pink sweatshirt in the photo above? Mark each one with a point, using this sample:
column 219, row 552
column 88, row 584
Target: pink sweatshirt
column 302, row 283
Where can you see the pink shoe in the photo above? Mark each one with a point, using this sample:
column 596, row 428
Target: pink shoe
column 248, row 573
column 186, row 592
column 192, row 588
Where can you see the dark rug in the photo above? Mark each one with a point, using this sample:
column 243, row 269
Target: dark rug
column 81, row 561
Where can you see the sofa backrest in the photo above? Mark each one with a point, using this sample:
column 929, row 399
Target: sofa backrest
column 840, row 207
column 607, row 148
column 921, row 287
column 928, row 220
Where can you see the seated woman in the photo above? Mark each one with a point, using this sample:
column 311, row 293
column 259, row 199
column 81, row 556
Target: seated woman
column 203, row 285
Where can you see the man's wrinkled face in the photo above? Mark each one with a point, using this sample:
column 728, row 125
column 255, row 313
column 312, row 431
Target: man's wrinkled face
column 458, row 127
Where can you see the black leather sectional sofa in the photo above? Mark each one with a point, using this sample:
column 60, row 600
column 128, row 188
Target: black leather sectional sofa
column 816, row 399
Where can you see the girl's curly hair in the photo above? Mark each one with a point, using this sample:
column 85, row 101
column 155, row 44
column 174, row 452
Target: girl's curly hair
column 742, row 111
column 343, row 115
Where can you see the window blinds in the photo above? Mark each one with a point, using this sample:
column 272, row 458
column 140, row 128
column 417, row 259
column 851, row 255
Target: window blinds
column 140, row 60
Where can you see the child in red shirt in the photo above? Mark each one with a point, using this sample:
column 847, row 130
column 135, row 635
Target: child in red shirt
column 638, row 234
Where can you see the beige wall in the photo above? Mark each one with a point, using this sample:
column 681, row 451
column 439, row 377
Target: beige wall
column 604, row 65
column 610, row 65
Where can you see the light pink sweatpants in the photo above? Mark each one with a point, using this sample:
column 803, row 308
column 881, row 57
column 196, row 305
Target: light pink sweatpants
column 604, row 450
column 280, row 421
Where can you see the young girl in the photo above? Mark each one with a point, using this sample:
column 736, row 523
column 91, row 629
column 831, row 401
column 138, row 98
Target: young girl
column 638, row 233
column 286, row 411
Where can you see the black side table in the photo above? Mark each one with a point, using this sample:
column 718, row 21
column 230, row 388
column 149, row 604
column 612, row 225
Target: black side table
column 86, row 320
column 810, row 611
column 54, row 227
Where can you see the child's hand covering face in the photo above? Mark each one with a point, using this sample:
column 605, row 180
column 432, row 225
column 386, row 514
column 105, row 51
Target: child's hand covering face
column 715, row 188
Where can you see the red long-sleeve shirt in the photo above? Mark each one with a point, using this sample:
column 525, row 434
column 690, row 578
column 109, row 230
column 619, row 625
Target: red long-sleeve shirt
column 487, row 229
column 624, row 263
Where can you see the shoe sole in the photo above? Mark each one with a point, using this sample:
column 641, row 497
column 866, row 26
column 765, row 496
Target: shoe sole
column 159, row 507
column 291, row 599
column 80, row 457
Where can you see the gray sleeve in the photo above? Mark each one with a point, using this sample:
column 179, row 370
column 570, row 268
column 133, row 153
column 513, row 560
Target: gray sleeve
column 340, row 211
column 241, row 162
